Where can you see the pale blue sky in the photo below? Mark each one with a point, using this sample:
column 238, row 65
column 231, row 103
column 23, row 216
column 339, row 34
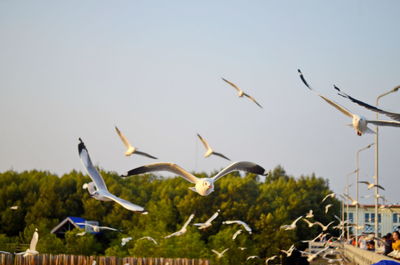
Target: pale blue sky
column 76, row 68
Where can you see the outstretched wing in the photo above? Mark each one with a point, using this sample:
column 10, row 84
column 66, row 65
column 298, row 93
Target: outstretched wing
column 385, row 123
column 124, row 203
column 123, row 138
column 221, row 155
column 145, row 154
column 169, row 167
column 34, row 240
column 232, row 84
column 205, row 143
column 213, row 217
column 91, row 170
column 188, row 221
column 393, row 115
column 252, row 99
column 240, row 166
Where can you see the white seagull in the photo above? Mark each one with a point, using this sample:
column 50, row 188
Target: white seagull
column 310, row 214
column 393, row 115
column 331, row 195
column 292, row 225
column 203, row 186
column 183, row 229
column 324, row 227
column 148, row 238
column 311, row 256
column 98, row 188
column 310, row 224
column 131, row 150
column 97, row 228
column 238, row 232
column 327, row 207
column 289, row 251
column 246, row 226
column 252, row 257
column 353, row 202
column 360, row 124
column 270, row 258
column 220, row 254
column 371, row 185
column 209, row 150
column 31, row 251
column 241, row 93
column 15, row 207
column 208, row 222
column 125, row 240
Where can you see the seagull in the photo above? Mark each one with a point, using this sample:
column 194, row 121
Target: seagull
column 371, row 185
column 148, row 238
column 360, row 124
column 353, row 202
column 97, row 228
column 238, row 232
column 311, row 257
column 209, row 150
column 324, row 227
column 292, row 225
column 246, row 226
column 220, row 255
column 241, row 92
column 394, row 116
column 4, row 252
column 327, row 208
column 125, row 240
column 183, row 229
column 203, row 186
column 310, row 214
column 321, row 235
column 131, row 150
column 252, row 257
column 310, row 224
column 208, row 222
column 31, row 251
column 98, row 188
column 81, row 233
column 15, row 207
column 332, row 195
column 289, row 251
column 242, row 248
column 270, row 258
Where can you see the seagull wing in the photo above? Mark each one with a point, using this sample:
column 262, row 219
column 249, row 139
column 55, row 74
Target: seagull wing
column 365, row 182
column 91, row 170
column 295, row 221
column 34, row 240
column 385, row 123
column 252, row 99
column 232, row 84
column 236, row 234
column 394, row 116
column 169, row 167
column 205, row 143
column 221, row 155
column 188, row 221
column 145, row 154
column 380, row 187
column 216, row 252
column 123, row 138
column 244, row 166
column 225, row 250
column 124, row 203
column 213, row 217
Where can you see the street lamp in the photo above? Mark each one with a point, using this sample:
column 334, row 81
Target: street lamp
column 346, row 190
column 395, row 89
column 357, row 176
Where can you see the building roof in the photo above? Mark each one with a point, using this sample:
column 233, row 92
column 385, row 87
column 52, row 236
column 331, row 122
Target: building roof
column 69, row 221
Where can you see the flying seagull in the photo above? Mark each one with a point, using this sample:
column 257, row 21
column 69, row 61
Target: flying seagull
column 220, row 254
column 246, row 226
column 360, row 124
column 241, row 92
column 324, row 227
column 203, row 186
column 310, row 214
column 98, row 188
column 208, row 222
column 331, row 195
column 148, row 238
column 131, row 150
column 15, row 207
column 393, row 115
column 125, row 240
column 371, row 185
column 97, row 228
column 270, row 258
column 292, row 225
column 31, row 251
column 310, row 224
column 327, row 207
column 289, row 251
column 238, row 232
column 252, row 257
column 209, row 150
column 183, row 229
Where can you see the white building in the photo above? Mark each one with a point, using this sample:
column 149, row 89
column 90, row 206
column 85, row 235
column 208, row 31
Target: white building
column 388, row 218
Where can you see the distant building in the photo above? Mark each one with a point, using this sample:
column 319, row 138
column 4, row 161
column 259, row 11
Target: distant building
column 71, row 223
column 388, row 218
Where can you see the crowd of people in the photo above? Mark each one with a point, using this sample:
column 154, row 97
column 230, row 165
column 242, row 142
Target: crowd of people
column 385, row 245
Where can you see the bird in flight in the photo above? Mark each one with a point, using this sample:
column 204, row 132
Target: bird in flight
column 209, row 150
column 31, row 251
column 97, row 228
column 208, row 222
column 148, row 238
column 97, row 188
column 245, row 226
column 183, row 229
column 292, row 225
column 220, row 254
column 360, row 124
column 371, row 185
column 327, row 207
column 241, row 93
column 331, row 195
column 131, row 150
column 203, row 186
column 393, row 115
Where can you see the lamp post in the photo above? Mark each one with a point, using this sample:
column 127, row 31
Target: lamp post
column 395, row 89
column 357, row 177
column 347, row 204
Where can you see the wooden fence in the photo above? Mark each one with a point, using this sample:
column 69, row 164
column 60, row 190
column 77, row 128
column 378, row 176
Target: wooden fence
column 48, row 259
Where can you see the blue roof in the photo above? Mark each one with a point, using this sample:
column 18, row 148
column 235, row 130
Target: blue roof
column 78, row 220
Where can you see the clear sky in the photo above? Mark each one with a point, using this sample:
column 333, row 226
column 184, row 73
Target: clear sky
column 72, row 69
